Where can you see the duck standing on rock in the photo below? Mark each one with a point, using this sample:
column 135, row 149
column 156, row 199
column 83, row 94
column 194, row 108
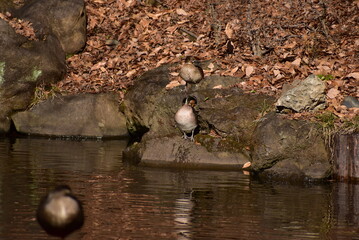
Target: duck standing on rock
column 60, row 212
column 191, row 73
column 186, row 118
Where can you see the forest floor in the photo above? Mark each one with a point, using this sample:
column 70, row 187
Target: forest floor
column 266, row 43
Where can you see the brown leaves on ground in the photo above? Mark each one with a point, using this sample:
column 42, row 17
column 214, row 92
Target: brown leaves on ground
column 267, row 43
column 20, row 26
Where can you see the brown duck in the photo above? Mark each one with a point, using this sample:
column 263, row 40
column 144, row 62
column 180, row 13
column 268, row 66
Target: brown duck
column 191, row 73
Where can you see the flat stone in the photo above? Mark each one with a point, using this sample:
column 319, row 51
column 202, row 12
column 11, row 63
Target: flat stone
column 177, row 152
column 88, row 115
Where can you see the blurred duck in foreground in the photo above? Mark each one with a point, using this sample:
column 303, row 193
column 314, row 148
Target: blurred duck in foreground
column 191, row 73
column 186, row 118
column 60, row 212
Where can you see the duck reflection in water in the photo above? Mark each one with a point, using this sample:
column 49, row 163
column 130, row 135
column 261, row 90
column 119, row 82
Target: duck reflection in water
column 60, row 212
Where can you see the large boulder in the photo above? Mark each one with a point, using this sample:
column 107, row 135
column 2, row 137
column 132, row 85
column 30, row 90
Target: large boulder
column 24, row 64
column 227, row 113
column 150, row 108
column 285, row 147
column 87, row 115
column 65, row 19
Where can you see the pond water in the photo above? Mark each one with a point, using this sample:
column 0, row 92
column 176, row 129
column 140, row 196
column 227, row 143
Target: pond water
column 128, row 202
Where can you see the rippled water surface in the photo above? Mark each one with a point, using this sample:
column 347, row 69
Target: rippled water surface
column 128, row 202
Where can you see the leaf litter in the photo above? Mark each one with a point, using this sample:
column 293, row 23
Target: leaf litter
column 266, row 43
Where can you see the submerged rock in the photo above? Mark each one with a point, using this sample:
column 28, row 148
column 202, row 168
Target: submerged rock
column 88, row 115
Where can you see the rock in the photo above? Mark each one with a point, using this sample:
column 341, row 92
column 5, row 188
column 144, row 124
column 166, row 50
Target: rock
column 308, row 94
column 290, row 147
column 89, row 115
column 60, row 28
column 150, row 110
column 175, row 151
column 231, row 113
column 24, row 64
column 66, row 19
column 350, row 102
column 233, row 127
column 5, row 4
column 148, row 106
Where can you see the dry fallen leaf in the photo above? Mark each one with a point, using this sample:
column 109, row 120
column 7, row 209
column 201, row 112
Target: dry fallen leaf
column 211, row 66
column 333, row 92
column 173, row 84
column 182, row 12
column 297, row 62
column 247, row 165
column 234, row 70
column 131, row 73
column 353, row 75
column 249, row 71
column 229, row 31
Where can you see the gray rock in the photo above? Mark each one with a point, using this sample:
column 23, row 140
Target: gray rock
column 290, row 147
column 66, row 19
column 308, row 94
column 177, row 152
column 350, row 102
column 89, row 115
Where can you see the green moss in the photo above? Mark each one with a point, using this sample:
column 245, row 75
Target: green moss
column 350, row 126
column 326, row 119
column 35, row 74
column 325, row 77
column 215, row 144
column 331, row 125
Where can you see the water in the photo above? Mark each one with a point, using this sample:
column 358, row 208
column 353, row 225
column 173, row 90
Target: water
column 127, row 202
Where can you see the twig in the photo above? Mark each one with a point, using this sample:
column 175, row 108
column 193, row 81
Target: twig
column 192, row 36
